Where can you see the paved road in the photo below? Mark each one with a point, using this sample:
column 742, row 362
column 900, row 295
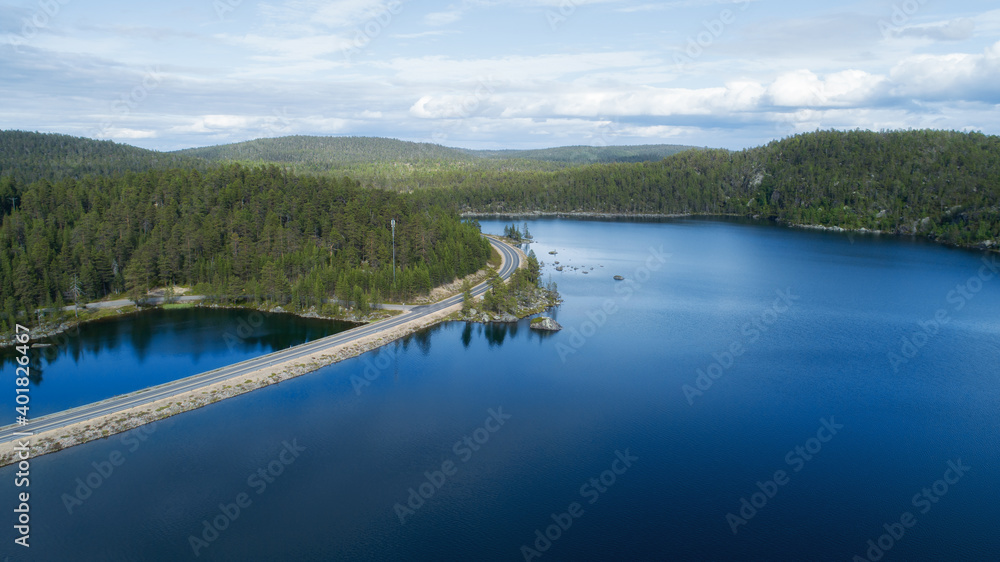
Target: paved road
column 152, row 394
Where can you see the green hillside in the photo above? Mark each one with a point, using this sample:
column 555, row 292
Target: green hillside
column 329, row 151
column 576, row 155
column 404, row 166
column 339, row 151
column 26, row 157
column 940, row 184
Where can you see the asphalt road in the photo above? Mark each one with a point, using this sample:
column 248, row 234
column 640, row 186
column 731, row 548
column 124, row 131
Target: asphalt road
column 121, row 403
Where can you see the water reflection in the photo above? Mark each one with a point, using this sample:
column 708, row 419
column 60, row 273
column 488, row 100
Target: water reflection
column 133, row 346
column 422, row 338
column 467, row 335
column 496, row 333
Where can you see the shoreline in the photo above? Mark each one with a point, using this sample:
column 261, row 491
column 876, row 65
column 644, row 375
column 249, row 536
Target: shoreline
column 100, row 427
column 778, row 221
column 377, row 314
column 108, row 425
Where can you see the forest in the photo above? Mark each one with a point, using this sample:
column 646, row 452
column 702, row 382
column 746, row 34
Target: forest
column 27, row 157
column 83, row 219
column 235, row 233
column 405, row 166
column 939, row 184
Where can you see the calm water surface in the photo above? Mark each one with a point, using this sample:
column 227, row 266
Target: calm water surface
column 115, row 356
column 795, row 332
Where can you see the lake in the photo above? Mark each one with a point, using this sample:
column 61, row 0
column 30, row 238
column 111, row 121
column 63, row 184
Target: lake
column 118, row 355
column 810, row 391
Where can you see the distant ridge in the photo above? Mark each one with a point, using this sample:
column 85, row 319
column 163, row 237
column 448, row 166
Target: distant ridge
column 355, row 150
column 379, row 162
column 591, row 154
column 400, row 165
column 29, row 156
column 328, row 150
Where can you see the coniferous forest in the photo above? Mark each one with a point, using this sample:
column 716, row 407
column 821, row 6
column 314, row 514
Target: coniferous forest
column 233, row 232
column 940, row 184
column 83, row 219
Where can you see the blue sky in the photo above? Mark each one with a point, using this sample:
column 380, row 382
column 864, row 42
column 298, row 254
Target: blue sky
column 496, row 73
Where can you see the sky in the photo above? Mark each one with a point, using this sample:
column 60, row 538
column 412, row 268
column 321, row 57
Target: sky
column 496, row 73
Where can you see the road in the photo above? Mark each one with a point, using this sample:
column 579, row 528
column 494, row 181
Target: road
column 119, row 404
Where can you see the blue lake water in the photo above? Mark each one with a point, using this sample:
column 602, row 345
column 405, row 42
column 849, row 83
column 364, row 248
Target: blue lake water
column 101, row 359
column 827, row 379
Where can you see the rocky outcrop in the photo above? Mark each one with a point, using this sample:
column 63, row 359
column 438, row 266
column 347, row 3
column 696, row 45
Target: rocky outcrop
column 546, row 324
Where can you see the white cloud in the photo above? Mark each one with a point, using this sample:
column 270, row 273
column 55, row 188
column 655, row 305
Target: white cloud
column 492, row 72
column 297, row 48
column 954, row 30
column 336, row 14
column 518, row 71
column 804, row 89
column 214, row 123
column 443, row 18
column 422, row 34
column 956, row 76
column 126, row 133
column 659, row 102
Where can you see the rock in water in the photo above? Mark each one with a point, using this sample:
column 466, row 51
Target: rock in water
column 545, row 323
column 619, row 278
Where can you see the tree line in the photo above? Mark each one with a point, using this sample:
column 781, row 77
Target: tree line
column 27, row 157
column 940, row 184
column 239, row 234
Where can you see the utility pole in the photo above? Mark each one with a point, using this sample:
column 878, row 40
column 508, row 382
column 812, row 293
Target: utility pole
column 75, row 290
column 393, row 222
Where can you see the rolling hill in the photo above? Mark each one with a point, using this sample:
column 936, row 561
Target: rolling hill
column 26, row 157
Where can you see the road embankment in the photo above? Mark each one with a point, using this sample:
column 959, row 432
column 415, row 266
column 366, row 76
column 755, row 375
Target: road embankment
column 119, row 420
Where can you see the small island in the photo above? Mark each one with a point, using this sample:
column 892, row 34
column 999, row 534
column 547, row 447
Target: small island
column 545, row 324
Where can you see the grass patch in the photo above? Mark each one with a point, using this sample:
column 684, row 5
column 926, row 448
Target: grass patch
column 176, row 305
column 495, row 259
